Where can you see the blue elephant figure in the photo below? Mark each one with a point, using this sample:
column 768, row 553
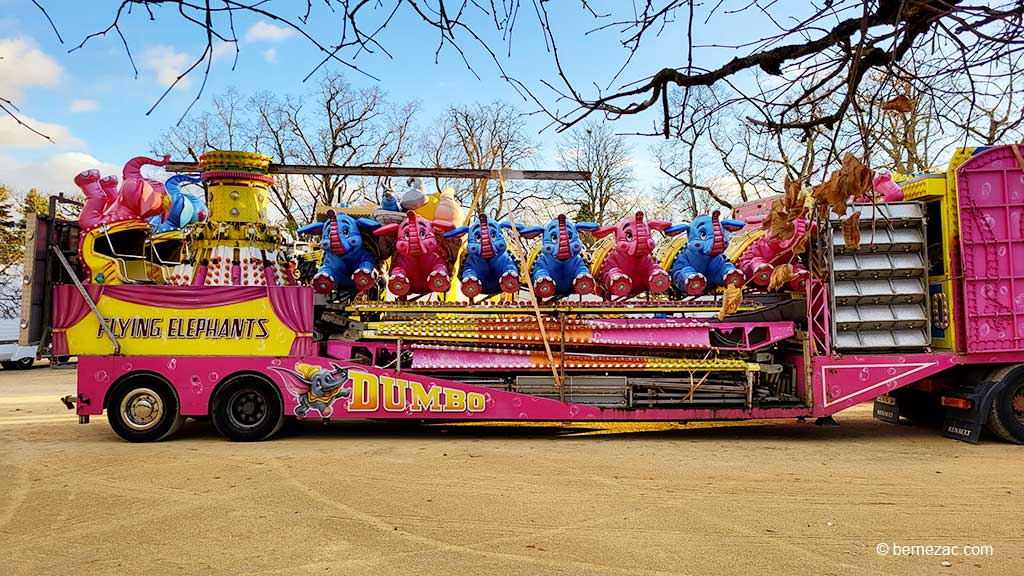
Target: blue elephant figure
column 184, row 208
column 701, row 265
column 348, row 264
column 560, row 269
column 487, row 268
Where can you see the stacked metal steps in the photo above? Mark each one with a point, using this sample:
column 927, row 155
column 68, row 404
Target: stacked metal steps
column 879, row 290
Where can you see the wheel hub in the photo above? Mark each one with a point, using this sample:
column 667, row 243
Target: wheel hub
column 247, row 409
column 142, row 409
column 1018, row 403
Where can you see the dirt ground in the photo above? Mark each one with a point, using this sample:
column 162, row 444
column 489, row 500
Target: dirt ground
column 372, row 498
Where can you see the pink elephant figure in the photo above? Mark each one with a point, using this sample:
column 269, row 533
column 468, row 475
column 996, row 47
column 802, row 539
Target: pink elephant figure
column 885, row 188
column 419, row 264
column 138, row 198
column 759, row 260
column 629, row 268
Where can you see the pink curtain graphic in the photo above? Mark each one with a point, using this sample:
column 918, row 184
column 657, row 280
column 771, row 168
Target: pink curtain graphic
column 69, row 308
column 293, row 305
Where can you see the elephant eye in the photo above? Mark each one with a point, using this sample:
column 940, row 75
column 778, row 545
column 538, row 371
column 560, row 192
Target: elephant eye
column 344, row 230
column 477, row 235
column 423, row 234
column 554, row 237
column 703, row 235
column 405, row 234
column 629, row 235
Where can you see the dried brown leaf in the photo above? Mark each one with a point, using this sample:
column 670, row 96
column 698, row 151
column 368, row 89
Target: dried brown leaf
column 730, row 301
column 781, row 226
column 853, row 179
column 800, row 244
column 795, row 197
column 782, row 274
column 851, row 231
column 901, row 104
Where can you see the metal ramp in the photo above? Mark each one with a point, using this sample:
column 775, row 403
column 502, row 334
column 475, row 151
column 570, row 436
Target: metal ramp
column 880, row 290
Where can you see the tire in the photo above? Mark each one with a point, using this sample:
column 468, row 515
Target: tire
column 143, row 408
column 247, row 408
column 1006, row 420
column 23, row 364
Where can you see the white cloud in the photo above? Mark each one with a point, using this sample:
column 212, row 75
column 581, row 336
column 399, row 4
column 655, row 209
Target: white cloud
column 267, row 32
column 50, row 174
column 222, row 49
column 270, row 55
column 25, row 66
column 13, row 135
column 167, row 63
column 84, row 105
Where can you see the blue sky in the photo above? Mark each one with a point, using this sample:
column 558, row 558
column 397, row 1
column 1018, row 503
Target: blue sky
column 95, row 108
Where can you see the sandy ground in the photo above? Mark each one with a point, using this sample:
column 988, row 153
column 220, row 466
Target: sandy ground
column 371, row 498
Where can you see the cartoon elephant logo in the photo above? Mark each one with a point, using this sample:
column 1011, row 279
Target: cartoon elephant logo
column 316, row 388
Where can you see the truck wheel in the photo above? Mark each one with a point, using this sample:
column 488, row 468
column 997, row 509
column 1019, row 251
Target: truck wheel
column 247, row 409
column 143, row 408
column 1007, row 417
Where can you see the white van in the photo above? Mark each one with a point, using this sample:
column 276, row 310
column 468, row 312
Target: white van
column 12, row 355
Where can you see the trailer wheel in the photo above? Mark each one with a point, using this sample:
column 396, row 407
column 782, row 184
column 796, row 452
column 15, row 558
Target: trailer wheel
column 1007, row 417
column 247, row 408
column 143, row 408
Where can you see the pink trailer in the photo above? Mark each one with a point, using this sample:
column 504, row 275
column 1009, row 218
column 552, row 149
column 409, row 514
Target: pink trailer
column 926, row 317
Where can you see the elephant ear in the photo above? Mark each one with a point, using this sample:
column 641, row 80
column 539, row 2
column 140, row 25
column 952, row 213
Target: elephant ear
column 530, row 232
column 659, row 224
column 367, row 223
column 457, row 232
column 604, row 231
column 733, row 225
column 587, row 226
column 387, row 230
column 677, row 229
column 314, row 228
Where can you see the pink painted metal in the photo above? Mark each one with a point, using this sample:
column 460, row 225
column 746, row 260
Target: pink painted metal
column 818, row 330
column 195, row 379
column 839, row 382
column 991, row 199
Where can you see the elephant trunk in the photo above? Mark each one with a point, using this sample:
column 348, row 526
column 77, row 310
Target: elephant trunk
column 415, row 243
column 564, row 253
column 644, row 244
column 486, row 244
column 337, row 246
column 718, row 236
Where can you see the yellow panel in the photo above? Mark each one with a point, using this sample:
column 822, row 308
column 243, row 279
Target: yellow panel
column 243, row 329
column 237, row 200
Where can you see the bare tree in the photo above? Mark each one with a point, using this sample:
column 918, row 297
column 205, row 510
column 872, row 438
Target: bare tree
column 608, row 195
column 337, row 124
column 481, row 136
column 837, row 42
